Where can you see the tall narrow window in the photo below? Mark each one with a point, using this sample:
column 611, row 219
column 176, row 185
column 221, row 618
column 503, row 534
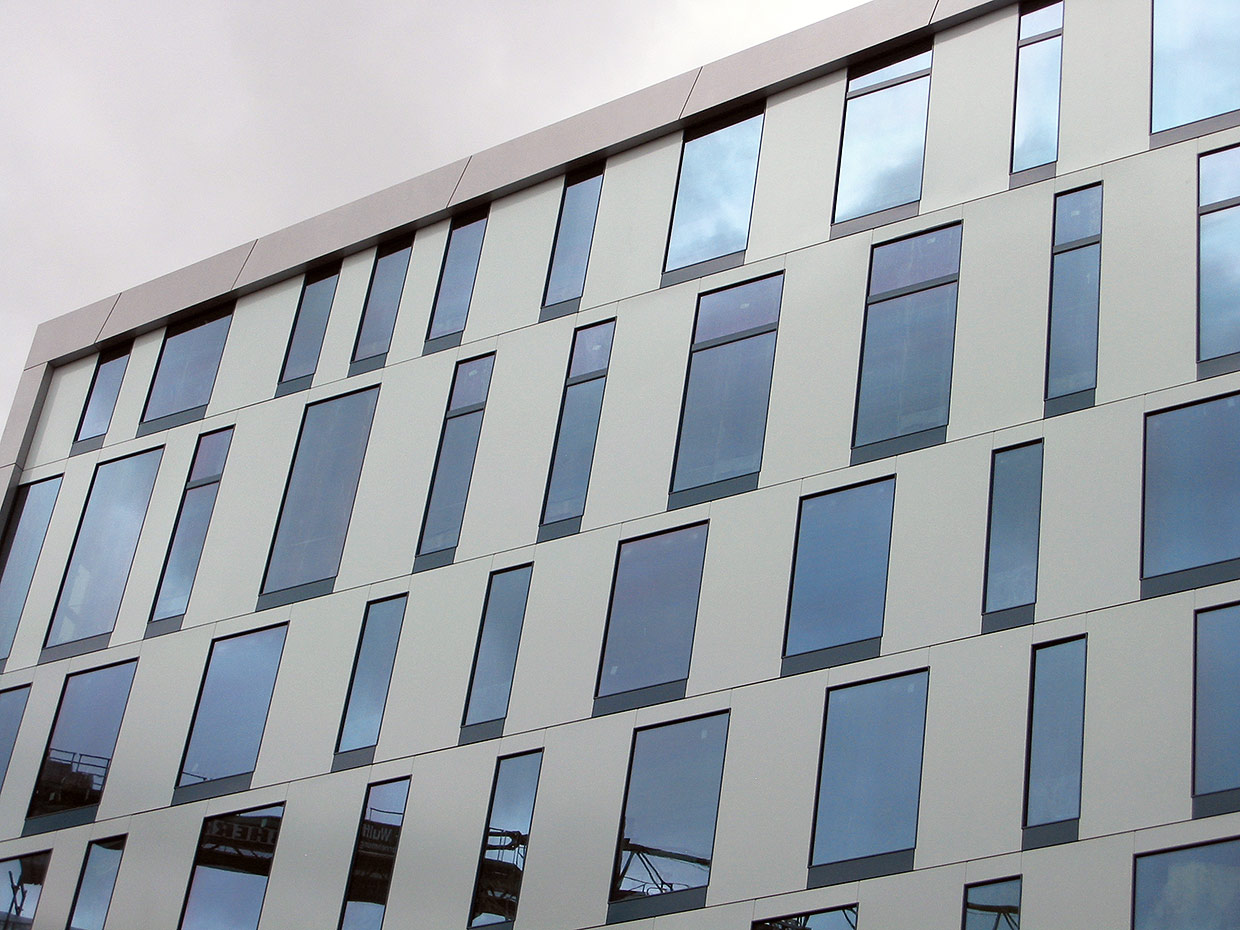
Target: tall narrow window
column 456, row 282
column 374, row 856
column 569, row 478
column 387, row 283
column 1056, row 741
column 667, row 831
column 1196, row 44
column 840, row 918
column 870, row 784
column 19, row 553
column 318, row 499
column 95, row 884
column 723, row 418
column 22, row 879
column 105, row 387
column 714, row 199
column 229, row 881
column 305, row 342
column 1216, row 713
column 884, row 138
column 368, row 690
column 1187, row 889
column 574, row 233
column 495, row 658
column 12, row 707
column 992, row 905
column 231, row 715
column 79, row 752
column 501, row 863
column 654, row 601
column 197, row 503
column 839, row 577
column 454, row 465
column 904, row 390
column 185, row 375
column 1012, row 537
column 1035, row 134
column 1218, row 263
column 1072, row 341
column 107, row 537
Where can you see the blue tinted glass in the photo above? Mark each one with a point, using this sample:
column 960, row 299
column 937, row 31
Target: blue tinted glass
column 309, row 326
column 23, row 878
column 571, row 254
column 497, row 645
column 210, row 455
column 450, row 484
column 1056, row 733
column 184, row 553
column 103, row 393
column 1078, row 215
column 12, row 706
column 915, row 260
column 187, row 367
column 841, row 918
column 372, row 674
column 1219, row 283
column 456, row 279
column 574, row 451
column 229, row 880
column 19, row 552
column 502, row 863
column 591, row 349
column 1045, row 19
column 993, row 906
column 374, row 856
column 387, row 282
column 736, row 309
column 890, row 72
column 94, row 895
column 1188, row 889
column 1220, row 176
column 1035, row 138
column 471, row 382
column 1217, row 705
column 1196, row 44
column 1072, row 358
column 1012, row 543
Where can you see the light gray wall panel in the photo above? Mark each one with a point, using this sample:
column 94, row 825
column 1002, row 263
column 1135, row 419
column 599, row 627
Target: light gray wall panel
column 346, row 314
column 159, row 853
column 416, row 300
column 254, row 352
column 23, row 770
column 139, row 371
column 1083, row 886
column 914, row 900
column 61, row 411
column 18, row 430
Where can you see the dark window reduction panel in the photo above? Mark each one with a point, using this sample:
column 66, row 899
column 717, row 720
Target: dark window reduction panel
column 1035, row 134
column 667, row 831
column 23, row 879
column 94, row 582
column 1072, row 341
column 496, row 655
column 186, row 371
column 456, row 278
column 501, row 864
column 1056, row 742
column 374, row 856
column 98, row 878
column 229, row 881
column 372, row 674
column 12, row 707
column 387, row 283
column 1218, row 260
column 992, row 906
column 1012, row 533
column 310, row 323
column 1216, row 712
column 840, row 918
column 1193, row 888
column 19, row 552
column 1196, row 44
column 566, row 278
column 105, row 387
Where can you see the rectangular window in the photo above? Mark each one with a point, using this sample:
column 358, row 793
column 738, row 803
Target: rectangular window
column 1216, row 713
column 374, row 856
column 1056, row 744
column 839, row 577
column 501, row 863
column 318, row 498
column 667, row 832
column 79, row 751
column 1196, row 44
column 107, row 537
column 185, row 374
column 723, row 417
column 456, row 282
column 95, row 884
column 650, row 622
column 1192, row 888
column 1035, row 132
column 904, row 389
column 231, row 714
column 574, row 233
column 105, row 387
column 840, row 918
column 884, row 139
column 368, row 689
column 19, row 553
column 1218, row 262
column 23, row 879
column 714, row 199
column 1076, row 266
column 387, row 283
column 12, row 707
column 992, row 905
column 190, row 533
column 454, row 464
column 870, row 783
column 1012, row 537
column 305, row 342
column 229, row 881
column 495, row 658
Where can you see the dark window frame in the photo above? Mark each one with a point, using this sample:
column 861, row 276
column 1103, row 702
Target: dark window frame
column 1219, row 364
column 490, row 729
column 122, row 839
column 1184, row 131
column 432, row 344
column 313, row 276
column 486, row 825
column 1227, row 800
column 91, row 443
column 364, row 755
column 572, row 305
column 361, row 823
column 1020, row 614
column 964, row 908
column 1079, row 400
column 1046, row 170
column 8, row 536
column 1137, row 856
column 357, row 365
column 282, row 805
column 190, row 414
column 1056, row 832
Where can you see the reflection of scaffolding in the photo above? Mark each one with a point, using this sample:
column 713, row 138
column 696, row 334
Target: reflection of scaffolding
column 239, row 843
column 68, row 780
column 499, row 876
column 1007, row 915
column 806, row 921
column 654, row 861
column 31, row 872
column 371, row 872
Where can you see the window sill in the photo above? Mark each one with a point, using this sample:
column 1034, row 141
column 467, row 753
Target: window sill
column 911, row 442
column 1007, row 619
column 192, row 415
column 1199, row 577
column 831, row 656
column 559, row 529
column 1067, row 403
column 477, row 732
column 1216, row 802
column 852, row 870
column 201, row 791
column 362, row 365
column 60, row 820
column 687, row 497
column 75, row 648
column 652, row 905
column 1194, row 129
column 166, row 625
column 87, row 445
column 555, row 311
column 301, row 592
column 702, row 269
column 439, row 343
column 294, row 385
column 353, row 758
column 1031, row 175
column 873, row 220
column 640, row 697
column 428, row 560
column 1219, row 365
column 1050, row 834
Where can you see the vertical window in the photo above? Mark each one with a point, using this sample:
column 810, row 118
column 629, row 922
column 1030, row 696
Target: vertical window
column 840, row 918
column 374, row 856
column 305, row 342
column 714, row 198
column 1056, row 742
column 904, row 389
column 650, row 623
column 454, row 465
column 79, row 752
column 1218, row 262
column 19, row 553
column 1072, row 341
column 992, row 905
column 12, row 707
column 667, row 831
column 495, row 657
column 185, row 374
column 181, row 564
column 231, row 714
column 870, row 784
column 1216, row 713
column 22, row 881
column 387, row 283
column 368, row 689
column 1196, row 44
column 1035, row 133
column 318, row 498
column 107, row 537
column 574, row 233
column 1012, row 537
column 229, row 881
column 501, row 863
column 839, row 577
column 1187, row 889
column 95, row 884
column 884, row 138
column 723, row 418
column 456, row 282
column 569, row 478
column 105, row 387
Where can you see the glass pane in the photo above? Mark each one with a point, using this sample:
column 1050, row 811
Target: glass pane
column 1219, row 281
column 884, row 143
column 574, row 451
column 211, row 454
column 450, row 485
column 1217, row 705
column 79, row 753
column 890, row 72
column 22, row 880
column 1196, row 44
column 103, row 393
column 456, row 280
column 871, row 769
column 1046, row 19
column 567, row 277
column 471, row 382
column 19, row 552
column 12, row 706
column 1015, row 512
column 187, row 367
column 497, row 645
column 1035, row 138
column 90, row 594
column 374, row 856
column 387, row 283
column 839, row 578
column 1056, row 733
column 229, row 881
column 1220, row 176
column 94, row 894
column 1078, row 215
column 232, row 708
column 185, row 551
column 1072, row 359
column 502, row 863
column 993, row 906
column 372, row 673
column 841, row 918
column 667, row 833
column 591, row 349
column 309, row 326
column 736, row 309
column 714, row 196
column 915, row 260
column 1188, row 889
column 654, row 603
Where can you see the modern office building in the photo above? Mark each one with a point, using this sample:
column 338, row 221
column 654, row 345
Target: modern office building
column 808, row 486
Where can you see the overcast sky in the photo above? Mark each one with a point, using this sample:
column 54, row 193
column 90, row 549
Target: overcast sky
column 140, row 136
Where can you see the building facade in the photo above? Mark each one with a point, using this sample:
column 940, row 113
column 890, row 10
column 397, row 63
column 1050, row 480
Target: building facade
column 804, row 493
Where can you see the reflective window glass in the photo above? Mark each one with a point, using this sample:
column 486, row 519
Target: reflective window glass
column 456, row 278
column 1195, row 888
column 12, row 707
column 1012, row 533
column 840, row 918
column 1035, row 136
column 229, row 881
column 372, row 674
column 23, row 879
column 19, row 552
column 1196, row 44
column 501, row 864
column 1216, row 708
column 1056, row 733
column 374, row 856
column 104, row 389
column 98, row 878
column 496, row 655
column 309, row 325
column 1218, row 255
column 187, row 365
column 993, row 905
column 573, row 235
column 387, row 283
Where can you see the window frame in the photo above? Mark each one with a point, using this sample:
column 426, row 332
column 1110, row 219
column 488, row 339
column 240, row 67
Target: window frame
column 364, row 755
column 374, row 362
column 361, row 824
column 964, row 908
column 1226, row 800
column 486, row 829
column 8, row 537
column 1138, row 856
column 1045, row 170
column 1077, row 400
column 312, row 277
column 1019, row 614
column 551, row 311
column 432, row 344
column 1181, row 132
column 490, row 729
column 107, row 356
column 189, row 414
column 122, row 839
column 193, row 870
column 1228, row 362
